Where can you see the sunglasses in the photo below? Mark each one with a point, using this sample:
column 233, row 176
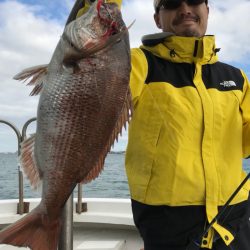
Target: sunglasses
column 175, row 4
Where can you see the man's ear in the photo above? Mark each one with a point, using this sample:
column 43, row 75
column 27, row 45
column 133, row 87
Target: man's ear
column 157, row 20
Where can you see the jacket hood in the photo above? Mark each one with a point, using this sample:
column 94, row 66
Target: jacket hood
column 182, row 49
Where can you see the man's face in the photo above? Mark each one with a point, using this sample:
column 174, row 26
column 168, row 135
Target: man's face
column 185, row 20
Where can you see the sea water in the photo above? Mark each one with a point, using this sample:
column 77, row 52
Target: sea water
column 111, row 183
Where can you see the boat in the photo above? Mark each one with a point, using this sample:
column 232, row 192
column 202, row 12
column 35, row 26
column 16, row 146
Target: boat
column 106, row 224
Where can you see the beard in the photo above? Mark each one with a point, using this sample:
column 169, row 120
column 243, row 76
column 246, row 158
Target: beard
column 190, row 33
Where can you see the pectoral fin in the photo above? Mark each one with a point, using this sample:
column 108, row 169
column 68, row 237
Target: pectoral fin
column 35, row 76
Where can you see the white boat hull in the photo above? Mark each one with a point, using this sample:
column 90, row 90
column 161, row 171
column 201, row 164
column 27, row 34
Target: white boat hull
column 107, row 224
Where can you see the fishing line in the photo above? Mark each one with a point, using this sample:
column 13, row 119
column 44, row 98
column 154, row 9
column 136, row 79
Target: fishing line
column 218, row 216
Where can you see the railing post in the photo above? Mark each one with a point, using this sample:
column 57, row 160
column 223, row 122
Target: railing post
column 79, row 200
column 81, row 206
column 25, row 126
column 20, row 208
column 25, row 205
column 66, row 236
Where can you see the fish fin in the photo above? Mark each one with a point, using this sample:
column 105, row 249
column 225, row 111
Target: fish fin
column 28, row 162
column 35, row 230
column 121, row 122
column 35, row 76
column 72, row 55
column 124, row 118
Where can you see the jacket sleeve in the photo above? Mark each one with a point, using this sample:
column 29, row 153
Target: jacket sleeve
column 245, row 109
column 138, row 75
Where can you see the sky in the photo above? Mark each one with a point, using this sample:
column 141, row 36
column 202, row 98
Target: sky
column 30, row 30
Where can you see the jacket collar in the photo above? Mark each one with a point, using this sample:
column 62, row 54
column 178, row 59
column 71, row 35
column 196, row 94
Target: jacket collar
column 182, row 49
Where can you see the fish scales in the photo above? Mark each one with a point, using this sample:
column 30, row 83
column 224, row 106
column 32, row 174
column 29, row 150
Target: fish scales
column 84, row 103
column 84, row 140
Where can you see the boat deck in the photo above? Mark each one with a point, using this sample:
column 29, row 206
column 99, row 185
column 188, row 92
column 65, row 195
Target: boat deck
column 107, row 225
column 107, row 238
column 102, row 237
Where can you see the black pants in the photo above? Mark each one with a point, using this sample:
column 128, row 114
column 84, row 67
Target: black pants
column 176, row 228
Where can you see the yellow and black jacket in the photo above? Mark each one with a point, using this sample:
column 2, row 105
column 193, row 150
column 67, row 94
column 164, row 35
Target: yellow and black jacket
column 190, row 128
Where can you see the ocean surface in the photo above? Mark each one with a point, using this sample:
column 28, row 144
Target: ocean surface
column 112, row 182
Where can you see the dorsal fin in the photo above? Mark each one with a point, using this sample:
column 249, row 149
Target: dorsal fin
column 121, row 122
column 35, row 76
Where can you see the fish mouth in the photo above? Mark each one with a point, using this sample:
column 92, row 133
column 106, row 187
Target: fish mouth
column 110, row 15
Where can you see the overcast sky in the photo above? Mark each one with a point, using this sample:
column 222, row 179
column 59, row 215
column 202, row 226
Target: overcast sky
column 30, row 30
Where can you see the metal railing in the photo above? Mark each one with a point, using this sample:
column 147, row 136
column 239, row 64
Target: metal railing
column 23, row 207
column 20, row 207
column 66, row 237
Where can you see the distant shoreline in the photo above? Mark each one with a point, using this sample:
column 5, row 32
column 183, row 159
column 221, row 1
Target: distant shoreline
column 15, row 153
column 8, row 153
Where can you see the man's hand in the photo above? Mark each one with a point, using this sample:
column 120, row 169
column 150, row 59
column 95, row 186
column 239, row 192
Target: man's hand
column 88, row 3
column 118, row 2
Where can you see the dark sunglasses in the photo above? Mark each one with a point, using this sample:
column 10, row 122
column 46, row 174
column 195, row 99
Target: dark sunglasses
column 174, row 4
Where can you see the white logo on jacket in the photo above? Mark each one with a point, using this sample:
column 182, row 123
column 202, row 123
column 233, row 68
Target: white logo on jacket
column 228, row 84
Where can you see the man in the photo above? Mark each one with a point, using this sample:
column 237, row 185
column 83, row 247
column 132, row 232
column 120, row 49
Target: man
column 187, row 137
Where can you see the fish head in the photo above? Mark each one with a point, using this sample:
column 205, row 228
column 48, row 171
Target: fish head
column 91, row 31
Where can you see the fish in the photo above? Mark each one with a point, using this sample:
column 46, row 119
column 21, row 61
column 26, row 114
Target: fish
column 84, row 104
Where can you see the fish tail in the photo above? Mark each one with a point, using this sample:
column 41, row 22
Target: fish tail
column 35, row 231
